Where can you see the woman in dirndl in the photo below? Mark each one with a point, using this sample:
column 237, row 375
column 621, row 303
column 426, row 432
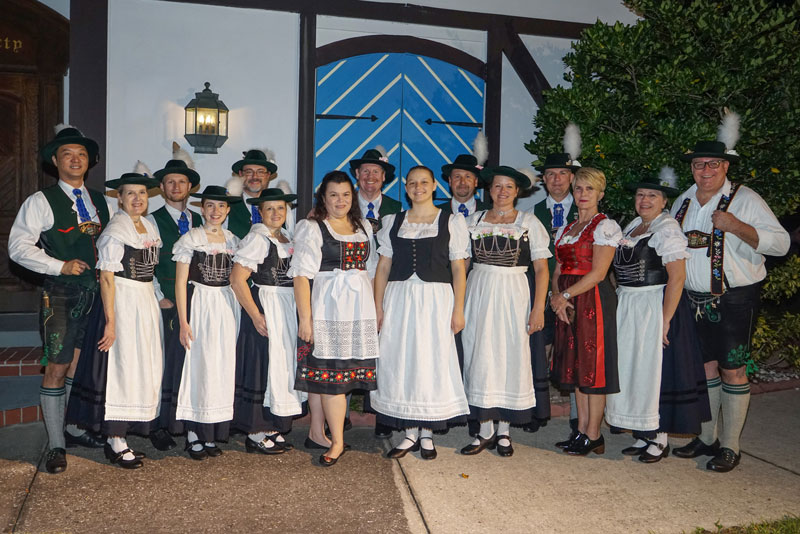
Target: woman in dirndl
column 209, row 323
column 500, row 314
column 419, row 299
column 585, row 346
column 662, row 382
column 266, row 402
column 116, row 389
column 337, row 320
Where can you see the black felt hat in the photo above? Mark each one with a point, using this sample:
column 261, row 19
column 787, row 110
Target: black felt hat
column 561, row 160
column 178, row 166
column 132, row 178
column 272, row 193
column 254, row 157
column 375, row 157
column 710, row 149
column 217, row 192
column 654, row 183
column 502, row 170
column 466, row 162
column 69, row 135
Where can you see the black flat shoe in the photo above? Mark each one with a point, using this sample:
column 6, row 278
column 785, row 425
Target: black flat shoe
column 399, row 453
column 502, row 450
column 382, row 431
column 484, row 443
column 724, row 461
column 212, row 451
column 87, row 439
column 634, row 451
column 574, row 435
column 584, row 446
column 648, row 458
column 56, row 461
column 117, row 458
column 327, row 461
column 696, row 448
column 311, row 444
column 193, row 454
column 162, row 441
column 427, row 454
column 259, row 448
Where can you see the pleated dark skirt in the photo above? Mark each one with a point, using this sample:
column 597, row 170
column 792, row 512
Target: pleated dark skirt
column 332, row 377
column 515, row 417
column 252, row 365
column 86, row 404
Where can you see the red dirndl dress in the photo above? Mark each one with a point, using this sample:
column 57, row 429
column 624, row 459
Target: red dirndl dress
column 585, row 349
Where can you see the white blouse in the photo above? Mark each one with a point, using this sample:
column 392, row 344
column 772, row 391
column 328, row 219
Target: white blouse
column 307, row 256
column 257, row 244
column 196, row 239
column 667, row 238
column 120, row 232
column 459, row 235
column 607, row 233
column 538, row 237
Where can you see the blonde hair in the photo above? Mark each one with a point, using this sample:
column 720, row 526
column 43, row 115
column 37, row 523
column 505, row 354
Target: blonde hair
column 594, row 177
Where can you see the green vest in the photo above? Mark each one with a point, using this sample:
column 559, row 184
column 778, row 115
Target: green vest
column 388, row 206
column 65, row 242
column 239, row 219
column 546, row 218
column 168, row 228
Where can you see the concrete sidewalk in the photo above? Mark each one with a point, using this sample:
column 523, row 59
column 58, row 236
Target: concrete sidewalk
column 536, row 490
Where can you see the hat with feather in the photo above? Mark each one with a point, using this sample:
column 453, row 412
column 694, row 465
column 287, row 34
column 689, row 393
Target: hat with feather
column 69, row 135
column 572, row 151
column 723, row 147
column 470, row 162
column 666, row 182
column 181, row 163
column 376, row 156
column 256, row 157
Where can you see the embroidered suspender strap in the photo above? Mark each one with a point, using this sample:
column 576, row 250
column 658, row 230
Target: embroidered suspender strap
column 717, row 247
column 682, row 211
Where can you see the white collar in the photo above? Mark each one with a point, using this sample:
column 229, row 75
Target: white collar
column 68, row 189
column 724, row 190
column 364, row 202
column 176, row 214
column 566, row 203
column 471, row 205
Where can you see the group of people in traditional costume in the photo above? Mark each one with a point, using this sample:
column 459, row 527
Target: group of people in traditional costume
column 459, row 313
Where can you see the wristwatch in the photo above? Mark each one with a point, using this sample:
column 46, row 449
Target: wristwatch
column 566, row 295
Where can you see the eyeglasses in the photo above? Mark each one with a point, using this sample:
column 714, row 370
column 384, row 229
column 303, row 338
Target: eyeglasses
column 249, row 173
column 713, row 164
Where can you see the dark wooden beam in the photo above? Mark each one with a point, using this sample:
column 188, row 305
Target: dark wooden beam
column 88, row 47
column 524, row 65
column 305, row 113
column 399, row 44
column 494, row 89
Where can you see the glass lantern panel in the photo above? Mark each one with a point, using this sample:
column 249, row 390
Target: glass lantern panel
column 207, row 121
column 223, row 123
column 190, row 121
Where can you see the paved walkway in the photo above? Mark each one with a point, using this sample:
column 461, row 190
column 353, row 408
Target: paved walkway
column 537, row 490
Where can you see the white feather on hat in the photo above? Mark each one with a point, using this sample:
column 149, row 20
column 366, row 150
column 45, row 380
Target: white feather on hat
column 728, row 131
column 270, row 154
column 382, row 150
column 61, row 126
column 181, row 154
column 527, row 171
column 572, row 141
column 234, row 186
column 480, row 148
column 141, row 168
column 668, row 177
column 284, row 186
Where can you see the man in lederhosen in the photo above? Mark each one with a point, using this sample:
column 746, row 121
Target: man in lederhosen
column 730, row 229
column 256, row 171
column 173, row 220
column 55, row 234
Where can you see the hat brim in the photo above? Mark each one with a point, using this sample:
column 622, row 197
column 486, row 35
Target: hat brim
column 669, row 191
column 237, row 167
column 150, row 183
column 387, row 167
column 488, row 174
column 261, row 200
column 191, row 174
column 49, row 150
column 449, row 168
column 542, row 168
column 689, row 156
column 226, row 198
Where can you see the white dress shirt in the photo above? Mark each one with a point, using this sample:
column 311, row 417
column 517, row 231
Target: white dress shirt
column 362, row 202
column 743, row 265
column 174, row 213
column 471, row 204
column 566, row 203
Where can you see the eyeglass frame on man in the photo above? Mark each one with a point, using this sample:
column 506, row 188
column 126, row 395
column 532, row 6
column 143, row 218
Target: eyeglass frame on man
column 713, row 164
column 249, row 173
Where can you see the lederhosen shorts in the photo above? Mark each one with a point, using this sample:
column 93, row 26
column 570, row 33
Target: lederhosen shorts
column 63, row 318
column 725, row 324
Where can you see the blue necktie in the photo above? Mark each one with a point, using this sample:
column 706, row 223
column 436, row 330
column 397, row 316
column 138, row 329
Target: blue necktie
column 256, row 217
column 370, row 213
column 558, row 216
column 462, row 209
column 183, row 224
column 83, row 213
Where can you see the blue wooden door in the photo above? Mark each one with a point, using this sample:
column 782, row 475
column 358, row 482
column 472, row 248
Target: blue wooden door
column 423, row 111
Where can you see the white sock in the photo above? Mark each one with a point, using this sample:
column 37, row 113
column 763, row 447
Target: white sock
column 258, row 436
column 210, row 444
column 486, row 432
column 504, row 429
column 410, row 439
column 192, row 437
column 640, row 443
column 119, row 445
column 277, row 438
column 661, row 439
column 73, row 430
column 426, row 439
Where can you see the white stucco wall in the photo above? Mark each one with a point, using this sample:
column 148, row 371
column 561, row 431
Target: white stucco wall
column 159, row 55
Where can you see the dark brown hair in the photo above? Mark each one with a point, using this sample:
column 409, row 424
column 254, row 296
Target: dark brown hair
column 320, row 212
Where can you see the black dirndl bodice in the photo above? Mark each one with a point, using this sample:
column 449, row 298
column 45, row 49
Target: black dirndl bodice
column 639, row 266
column 211, row 269
column 138, row 263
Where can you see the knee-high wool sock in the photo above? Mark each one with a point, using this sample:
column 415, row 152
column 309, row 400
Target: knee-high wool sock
column 53, row 402
column 735, row 401
column 708, row 429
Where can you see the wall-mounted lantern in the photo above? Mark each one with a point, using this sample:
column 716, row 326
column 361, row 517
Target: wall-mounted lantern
column 206, row 122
